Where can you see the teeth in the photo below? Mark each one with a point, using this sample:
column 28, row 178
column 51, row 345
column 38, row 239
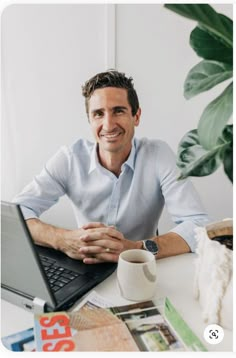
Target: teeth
column 110, row 135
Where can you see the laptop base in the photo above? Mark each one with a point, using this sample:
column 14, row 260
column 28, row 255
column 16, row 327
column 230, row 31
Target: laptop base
column 36, row 305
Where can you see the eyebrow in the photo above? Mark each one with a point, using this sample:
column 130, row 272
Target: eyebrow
column 97, row 110
column 113, row 108
column 120, row 107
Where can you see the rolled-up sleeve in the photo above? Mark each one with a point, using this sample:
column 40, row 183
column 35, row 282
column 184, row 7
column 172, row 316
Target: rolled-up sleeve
column 46, row 188
column 182, row 200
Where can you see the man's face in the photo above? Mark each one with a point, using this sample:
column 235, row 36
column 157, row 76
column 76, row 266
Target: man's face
column 111, row 119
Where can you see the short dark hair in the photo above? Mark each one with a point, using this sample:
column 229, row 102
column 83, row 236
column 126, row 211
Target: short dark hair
column 111, row 78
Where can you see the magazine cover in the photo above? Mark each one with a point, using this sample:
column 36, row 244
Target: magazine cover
column 89, row 329
column 157, row 326
column 22, row 341
column 145, row 326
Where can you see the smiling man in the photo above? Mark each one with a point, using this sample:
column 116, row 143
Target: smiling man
column 118, row 185
column 113, row 124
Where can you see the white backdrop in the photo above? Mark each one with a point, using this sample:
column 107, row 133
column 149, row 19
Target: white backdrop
column 48, row 51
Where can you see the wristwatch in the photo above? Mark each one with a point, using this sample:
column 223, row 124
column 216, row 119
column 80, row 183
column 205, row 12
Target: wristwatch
column 151, row 246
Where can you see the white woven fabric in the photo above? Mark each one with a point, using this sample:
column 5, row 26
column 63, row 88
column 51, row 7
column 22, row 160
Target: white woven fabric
column 213, row 284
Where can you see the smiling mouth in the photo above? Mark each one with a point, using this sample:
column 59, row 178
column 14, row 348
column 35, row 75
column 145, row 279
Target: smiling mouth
column 111, row 136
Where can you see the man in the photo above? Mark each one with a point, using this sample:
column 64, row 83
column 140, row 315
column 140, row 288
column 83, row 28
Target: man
column 118, row 186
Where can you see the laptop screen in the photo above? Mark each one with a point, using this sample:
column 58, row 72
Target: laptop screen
column 20, row 267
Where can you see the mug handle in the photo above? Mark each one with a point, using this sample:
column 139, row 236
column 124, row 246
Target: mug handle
column 147, row 273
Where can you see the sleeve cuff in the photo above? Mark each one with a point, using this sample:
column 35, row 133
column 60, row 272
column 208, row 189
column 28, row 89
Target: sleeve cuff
column 186, row 230
column 28, row 213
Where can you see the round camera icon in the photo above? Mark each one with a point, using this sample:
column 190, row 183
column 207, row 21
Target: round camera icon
column 213, row 334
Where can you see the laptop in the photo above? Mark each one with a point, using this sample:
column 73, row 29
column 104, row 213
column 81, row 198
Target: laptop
column 37, row 278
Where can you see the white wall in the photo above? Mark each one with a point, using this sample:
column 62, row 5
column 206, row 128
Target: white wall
column 153, row 46
column 48, row 51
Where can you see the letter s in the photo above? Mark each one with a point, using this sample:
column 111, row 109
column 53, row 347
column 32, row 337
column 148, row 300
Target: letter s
column 61, row 319
column 63, row 345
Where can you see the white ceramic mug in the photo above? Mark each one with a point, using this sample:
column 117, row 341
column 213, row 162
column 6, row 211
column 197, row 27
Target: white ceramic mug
column 137, row 275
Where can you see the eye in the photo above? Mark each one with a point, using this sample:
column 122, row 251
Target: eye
column 97, row 114
column 119, row 110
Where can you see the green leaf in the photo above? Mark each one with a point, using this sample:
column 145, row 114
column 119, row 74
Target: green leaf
column 228, row 163
column 227, row 153
column 205, row 15
column 204, row 76
column 214, row 118
column 195, row 160
column 227, row 135
column 210, row 46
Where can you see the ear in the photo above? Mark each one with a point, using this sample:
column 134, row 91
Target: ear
column 137, row 117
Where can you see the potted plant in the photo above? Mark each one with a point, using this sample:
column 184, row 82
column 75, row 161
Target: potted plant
column 202, row 150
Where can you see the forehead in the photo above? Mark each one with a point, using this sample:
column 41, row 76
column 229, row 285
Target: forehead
column 108, row 97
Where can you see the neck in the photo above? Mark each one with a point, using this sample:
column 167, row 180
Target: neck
column 112, row 161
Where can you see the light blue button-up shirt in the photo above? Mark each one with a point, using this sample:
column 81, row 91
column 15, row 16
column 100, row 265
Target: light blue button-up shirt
column 133, row 202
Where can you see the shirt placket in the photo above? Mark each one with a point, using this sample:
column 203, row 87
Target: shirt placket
column 114, row 203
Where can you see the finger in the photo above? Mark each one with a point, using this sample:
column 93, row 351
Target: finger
column 92, row 237
column 112, row 232
column 101, row 246
column 75, row 255
column 108, row 257
column 91, row 250
column 93, row 225
column 101, row 258
column 101, row 233
column 92, row 260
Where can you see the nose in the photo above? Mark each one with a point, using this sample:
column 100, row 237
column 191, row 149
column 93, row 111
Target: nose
column 108, row 122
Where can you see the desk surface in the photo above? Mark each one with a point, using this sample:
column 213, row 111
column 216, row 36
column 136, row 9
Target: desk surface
column 175, row 280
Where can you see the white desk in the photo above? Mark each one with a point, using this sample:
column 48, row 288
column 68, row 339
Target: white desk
column 175, row 280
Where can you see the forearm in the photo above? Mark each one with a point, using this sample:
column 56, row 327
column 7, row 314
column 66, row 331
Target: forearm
column 170, row 244
column 71, row 241
column 45, row 234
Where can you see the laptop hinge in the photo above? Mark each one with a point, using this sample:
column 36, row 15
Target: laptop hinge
column 36, row 305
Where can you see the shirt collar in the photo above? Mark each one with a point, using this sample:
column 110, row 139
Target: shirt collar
column 94, row 162
column 93, row 159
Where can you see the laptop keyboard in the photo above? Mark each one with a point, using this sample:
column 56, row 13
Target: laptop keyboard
column 58, row 276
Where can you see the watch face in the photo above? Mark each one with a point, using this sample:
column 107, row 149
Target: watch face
column 151, row 246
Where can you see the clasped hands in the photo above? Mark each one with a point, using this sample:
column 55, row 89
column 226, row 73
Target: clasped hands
column 95, row 243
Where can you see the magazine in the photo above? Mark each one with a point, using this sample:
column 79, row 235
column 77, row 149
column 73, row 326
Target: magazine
column 22, row 341
column 92, row 326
